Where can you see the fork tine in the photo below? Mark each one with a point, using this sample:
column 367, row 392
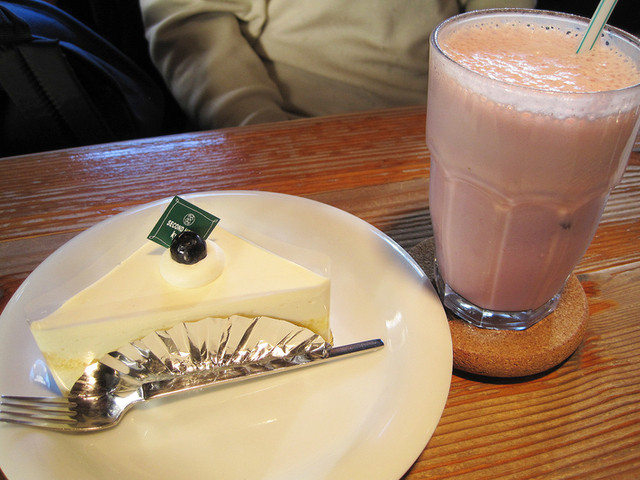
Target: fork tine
column 21, row 398
column 50, row 404
column 59, row 425
column 34, row 418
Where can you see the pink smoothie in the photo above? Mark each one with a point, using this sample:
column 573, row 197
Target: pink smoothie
column 520, row 175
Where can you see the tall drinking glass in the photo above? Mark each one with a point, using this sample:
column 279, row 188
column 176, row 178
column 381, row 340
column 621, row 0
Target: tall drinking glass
column 525, row 149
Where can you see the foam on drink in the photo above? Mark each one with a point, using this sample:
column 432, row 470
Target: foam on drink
column 503, row 51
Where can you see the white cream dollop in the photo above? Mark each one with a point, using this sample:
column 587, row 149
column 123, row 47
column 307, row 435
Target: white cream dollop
column 196, row 275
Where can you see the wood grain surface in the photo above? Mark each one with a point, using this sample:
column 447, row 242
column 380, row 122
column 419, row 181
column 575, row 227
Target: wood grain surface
column 580, row 420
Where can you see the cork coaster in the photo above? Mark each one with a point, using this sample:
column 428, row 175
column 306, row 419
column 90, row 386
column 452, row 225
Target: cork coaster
column 511, row 353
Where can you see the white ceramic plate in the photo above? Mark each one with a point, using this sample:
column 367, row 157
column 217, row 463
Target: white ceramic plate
column 368, row 416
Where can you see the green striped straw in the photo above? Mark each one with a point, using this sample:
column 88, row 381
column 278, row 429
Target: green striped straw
column 600, row 17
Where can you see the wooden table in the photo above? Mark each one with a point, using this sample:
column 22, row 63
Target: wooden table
column 580, row 420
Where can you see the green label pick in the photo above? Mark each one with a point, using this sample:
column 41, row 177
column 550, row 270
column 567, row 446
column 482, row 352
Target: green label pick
column 179, row 216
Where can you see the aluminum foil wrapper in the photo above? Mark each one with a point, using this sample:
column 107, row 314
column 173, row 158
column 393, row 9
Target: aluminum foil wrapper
column 197, row 354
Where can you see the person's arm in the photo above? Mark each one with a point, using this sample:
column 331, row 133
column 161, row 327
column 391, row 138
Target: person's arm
column 468, row 5
column 209, row 65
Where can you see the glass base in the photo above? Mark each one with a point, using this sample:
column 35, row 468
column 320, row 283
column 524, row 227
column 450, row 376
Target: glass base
column 483, row 318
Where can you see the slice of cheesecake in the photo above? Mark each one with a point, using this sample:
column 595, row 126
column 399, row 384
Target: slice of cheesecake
column 136, row 298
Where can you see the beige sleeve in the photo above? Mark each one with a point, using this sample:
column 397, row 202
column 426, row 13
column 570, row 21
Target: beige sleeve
column 469, row 5
column 202, row 49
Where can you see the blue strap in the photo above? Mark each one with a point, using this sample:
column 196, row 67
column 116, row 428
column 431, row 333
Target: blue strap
column 38, row 79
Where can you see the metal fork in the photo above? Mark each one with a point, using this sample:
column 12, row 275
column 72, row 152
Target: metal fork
column 101, row 397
